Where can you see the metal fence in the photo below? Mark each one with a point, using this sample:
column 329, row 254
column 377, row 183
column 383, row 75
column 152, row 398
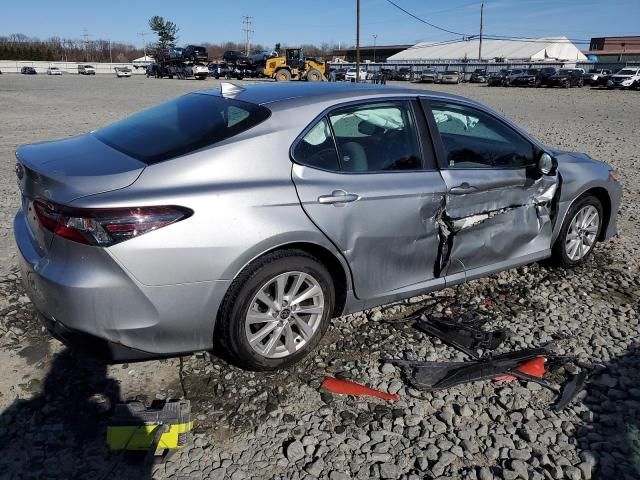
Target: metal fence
column 13, row 66
column 469, row 67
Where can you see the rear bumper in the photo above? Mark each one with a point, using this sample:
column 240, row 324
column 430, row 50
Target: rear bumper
column 95, row 346
column 83, row 289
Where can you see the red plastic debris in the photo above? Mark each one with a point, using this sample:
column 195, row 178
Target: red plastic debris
column 533, row 367
column 345, row 387
column 487, row 302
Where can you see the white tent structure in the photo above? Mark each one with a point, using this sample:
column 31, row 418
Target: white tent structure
column 534, row 50
column 143, row 60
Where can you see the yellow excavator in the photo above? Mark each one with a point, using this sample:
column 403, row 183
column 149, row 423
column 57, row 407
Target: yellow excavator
column 294, row 66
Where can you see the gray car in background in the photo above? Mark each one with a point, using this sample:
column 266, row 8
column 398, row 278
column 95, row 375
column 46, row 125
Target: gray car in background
column 250, row 216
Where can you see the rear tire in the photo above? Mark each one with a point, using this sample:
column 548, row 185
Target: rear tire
column 253, row 297
column 578, row 236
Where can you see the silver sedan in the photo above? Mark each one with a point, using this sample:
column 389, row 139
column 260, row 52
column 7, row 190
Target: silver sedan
column 250, row 216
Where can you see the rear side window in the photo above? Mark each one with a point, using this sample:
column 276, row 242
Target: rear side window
column 316, row 148
column 181, row 126
column 377, row 137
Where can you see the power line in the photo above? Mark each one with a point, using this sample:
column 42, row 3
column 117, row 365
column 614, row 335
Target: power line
column 425, row 22
column 488, row 37
column 246, row 27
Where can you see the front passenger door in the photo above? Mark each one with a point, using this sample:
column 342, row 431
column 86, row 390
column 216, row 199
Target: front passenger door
column 497, row 207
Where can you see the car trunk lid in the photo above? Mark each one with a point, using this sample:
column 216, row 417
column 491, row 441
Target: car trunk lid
column 64, row 170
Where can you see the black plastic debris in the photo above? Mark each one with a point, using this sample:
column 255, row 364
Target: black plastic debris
column 440, row 375
column 571, row 390
column 466, row 338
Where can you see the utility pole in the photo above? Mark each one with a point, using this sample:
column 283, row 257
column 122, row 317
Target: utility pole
column 110, row 56
column 85, row 36
column 144, row 44
column 375, row 36
column 357, row 41
column 246, row 26
column 480, row 44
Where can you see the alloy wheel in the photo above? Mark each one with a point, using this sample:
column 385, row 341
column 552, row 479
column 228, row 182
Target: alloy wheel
column 284, row 314
column 583, row 229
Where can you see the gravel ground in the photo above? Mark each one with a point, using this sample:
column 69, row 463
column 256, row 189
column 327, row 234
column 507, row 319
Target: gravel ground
column 54, row 405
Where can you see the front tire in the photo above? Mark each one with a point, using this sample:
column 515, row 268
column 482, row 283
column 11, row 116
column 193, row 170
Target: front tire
column 283, row 75
column 580, row 232
column 277, row 310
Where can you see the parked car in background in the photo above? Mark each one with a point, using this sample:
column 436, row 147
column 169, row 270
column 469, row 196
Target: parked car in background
column 513, row 74
column 54, row 71
column 195, row 53
column 215, row 70
column 528, row 79
column 479, row 75
column 86, row 70
column 122, row 72
column 544, row 75
column 450, row 76
column 119, row 251
column 498, row 79
column 340, row 73
column 404, row 74
column 198, row 70
column 593, row 76
column 151, row 70
column 28, row 71
column 428, row 75
column 566, row 77
column 350, row 76
column 260, row 56
column 628, row 77
column 234, row 57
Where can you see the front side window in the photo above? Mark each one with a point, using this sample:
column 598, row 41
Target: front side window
column 376, row 137
column 474, row 139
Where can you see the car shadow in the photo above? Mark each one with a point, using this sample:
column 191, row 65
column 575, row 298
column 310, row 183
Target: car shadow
column 609, row 440
column 61, row 432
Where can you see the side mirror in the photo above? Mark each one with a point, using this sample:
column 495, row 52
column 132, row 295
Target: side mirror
column 545, row 163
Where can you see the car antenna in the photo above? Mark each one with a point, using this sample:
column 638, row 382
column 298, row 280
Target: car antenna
column 230, row 90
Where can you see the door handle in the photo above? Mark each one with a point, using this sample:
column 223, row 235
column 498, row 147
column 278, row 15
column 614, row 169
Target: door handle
column 338, row 196
column 462, row 189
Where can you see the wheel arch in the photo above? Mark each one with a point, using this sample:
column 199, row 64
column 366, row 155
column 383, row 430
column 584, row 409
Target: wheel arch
column 601, row 194
column 332, row 260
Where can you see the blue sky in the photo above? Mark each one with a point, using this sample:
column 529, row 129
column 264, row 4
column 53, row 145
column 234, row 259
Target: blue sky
column 296, row 21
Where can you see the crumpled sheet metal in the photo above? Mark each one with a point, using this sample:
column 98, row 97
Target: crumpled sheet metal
column 475, row 222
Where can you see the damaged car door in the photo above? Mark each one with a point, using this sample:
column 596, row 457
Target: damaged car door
column 500, row 186
column 368, row 180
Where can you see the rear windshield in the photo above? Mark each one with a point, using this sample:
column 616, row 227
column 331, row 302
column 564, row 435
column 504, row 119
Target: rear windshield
column 181, row 126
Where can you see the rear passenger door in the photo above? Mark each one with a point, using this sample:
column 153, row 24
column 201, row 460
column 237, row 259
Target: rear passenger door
column 497, row 207
column 368, row 180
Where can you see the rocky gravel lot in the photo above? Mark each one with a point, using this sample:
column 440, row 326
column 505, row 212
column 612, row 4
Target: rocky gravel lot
column 54, row 405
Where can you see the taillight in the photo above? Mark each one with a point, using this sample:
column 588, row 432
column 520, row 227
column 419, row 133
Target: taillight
column 105, row 226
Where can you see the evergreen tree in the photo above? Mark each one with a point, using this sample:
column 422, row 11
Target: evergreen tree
column 167, row 32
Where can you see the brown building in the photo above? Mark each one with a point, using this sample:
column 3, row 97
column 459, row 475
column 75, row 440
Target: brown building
column 369, row 53
column 615, row 49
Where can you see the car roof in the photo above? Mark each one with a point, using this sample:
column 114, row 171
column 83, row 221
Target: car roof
column 312, row 92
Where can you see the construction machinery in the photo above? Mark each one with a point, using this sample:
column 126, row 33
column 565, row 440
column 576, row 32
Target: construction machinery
column 294, row 66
